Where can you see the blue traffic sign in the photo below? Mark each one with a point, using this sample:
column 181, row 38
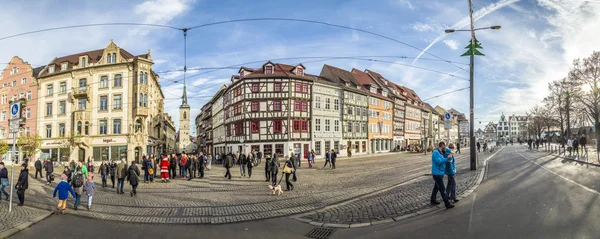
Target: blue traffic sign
column 14, row 109
column 447, row 115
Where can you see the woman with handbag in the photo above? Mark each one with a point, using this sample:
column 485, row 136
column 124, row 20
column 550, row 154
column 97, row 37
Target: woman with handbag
column 22, row 184
column 288, row 169
column 3, row 180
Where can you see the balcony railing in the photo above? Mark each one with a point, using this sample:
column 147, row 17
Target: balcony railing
column 81, row 91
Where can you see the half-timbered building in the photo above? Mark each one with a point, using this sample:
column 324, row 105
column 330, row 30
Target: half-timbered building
column 268, row 109
column 355, row 108
column 327, row 116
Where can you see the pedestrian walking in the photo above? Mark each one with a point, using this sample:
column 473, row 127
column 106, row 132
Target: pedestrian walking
column 267, row 168
column 3, row 180
column 121, row 174
column 208, row 162
column 72, row 165
column 308, row 159
column 458, row 147
column 172, row 166
column 349, row 151
column 133, row 175
column 451, row 172
column 259, row 156
column 333, row 158
column 576, row 146
column 185, row 163
column 478, row 147
column 438, row 168
column 49, row 170
column 90, row 186
column 63, row 188
column 583, row 143
column 38, row 168
column 250, row 164
column 293, row 159
column 103, row 170
column 84, row 169
column 77, row 184
column 327, row 159
column 570, row 145
column 288, row 169
column 274, row 169
column 90, row 167
column 67, row 171
column 227, row 163
column 190, row 161
column 113, row 171
column 22, row 184
column 298, row 160
column 242, row 162
column 164, row 169
column 201, row 165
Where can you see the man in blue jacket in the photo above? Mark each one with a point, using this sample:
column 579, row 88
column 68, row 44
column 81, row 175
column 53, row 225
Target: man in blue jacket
column 438, row 168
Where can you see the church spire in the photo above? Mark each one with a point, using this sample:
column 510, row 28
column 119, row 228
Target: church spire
column 184, row 96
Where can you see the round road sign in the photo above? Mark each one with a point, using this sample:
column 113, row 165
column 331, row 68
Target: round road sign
column 14, row 109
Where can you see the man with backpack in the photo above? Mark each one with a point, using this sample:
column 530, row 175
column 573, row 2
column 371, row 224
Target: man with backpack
column 77, row 183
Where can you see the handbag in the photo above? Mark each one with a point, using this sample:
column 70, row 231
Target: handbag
column 151, row 171
column 4, row 182
column 287, row 169
column 51, row 177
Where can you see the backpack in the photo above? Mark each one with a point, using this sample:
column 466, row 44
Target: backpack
column 78, row 180
column 575, row 142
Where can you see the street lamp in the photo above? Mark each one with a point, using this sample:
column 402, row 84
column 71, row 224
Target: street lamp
column 473, row 51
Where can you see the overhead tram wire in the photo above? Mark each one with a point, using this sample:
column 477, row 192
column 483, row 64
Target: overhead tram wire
column 321, row 23
column 449, row 92
column 90, row 25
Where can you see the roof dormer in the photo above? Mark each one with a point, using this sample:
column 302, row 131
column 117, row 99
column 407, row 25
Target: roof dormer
column 373, row 89
column 299, row 70
column 83, row 61
column 268, row 68
column 64, row 66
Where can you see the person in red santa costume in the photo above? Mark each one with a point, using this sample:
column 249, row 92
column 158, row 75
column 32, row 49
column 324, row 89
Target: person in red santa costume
column 164, row 169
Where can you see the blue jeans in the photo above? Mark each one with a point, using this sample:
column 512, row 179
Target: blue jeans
column 120, row 184
column 451, row 187
column 90, row 200
column 4, row 192
column 439, row 186
column 146, row 175
column 184, row 172
column 77, row 200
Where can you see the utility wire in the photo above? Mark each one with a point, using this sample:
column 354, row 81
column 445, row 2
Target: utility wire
column 437, row 96
column 89, row 25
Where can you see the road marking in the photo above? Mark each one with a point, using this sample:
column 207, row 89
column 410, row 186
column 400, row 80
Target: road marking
column 563, row 177
column 472, row 207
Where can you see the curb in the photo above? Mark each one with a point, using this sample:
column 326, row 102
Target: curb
column 571, row 159
column 436, row 208
column 24, row 225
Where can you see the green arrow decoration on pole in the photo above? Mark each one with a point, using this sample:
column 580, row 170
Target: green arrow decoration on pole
column 473, row 50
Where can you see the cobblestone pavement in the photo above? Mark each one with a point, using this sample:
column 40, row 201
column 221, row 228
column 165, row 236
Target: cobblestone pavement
column 219, row 200
column 18, row 216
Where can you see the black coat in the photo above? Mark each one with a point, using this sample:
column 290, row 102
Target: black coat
column 103, row 169
column 112, row 169
column 38, row 165
column 49, row 167
column 23, row 181
column 228, row 162
column 133, row 174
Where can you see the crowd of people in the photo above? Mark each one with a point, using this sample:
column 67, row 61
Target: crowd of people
column 77, row 178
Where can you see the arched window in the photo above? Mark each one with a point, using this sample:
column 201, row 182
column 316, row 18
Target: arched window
column 145, row 78
column 141, row 77
column 78, row 127
column 118, row 80
column 138, row 125
column 87, row 128
column 108, row 58
column 114, row 60
column 141, row 99
column 184, row 115
column 145, row 100
column 83, row 62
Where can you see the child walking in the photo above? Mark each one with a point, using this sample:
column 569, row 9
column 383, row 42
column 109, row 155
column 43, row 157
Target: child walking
column 89, row 189
column 63, row 189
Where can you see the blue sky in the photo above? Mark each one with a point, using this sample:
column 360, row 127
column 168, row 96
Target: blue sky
column 538, row 41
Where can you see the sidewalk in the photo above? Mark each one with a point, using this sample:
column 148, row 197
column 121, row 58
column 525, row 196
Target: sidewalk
column 19, row 219
column 591, row 158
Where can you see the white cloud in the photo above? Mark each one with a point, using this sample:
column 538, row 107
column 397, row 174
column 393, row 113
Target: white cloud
column 406, row 3
column 160, row 11
column 453, row 44
column 422, row 27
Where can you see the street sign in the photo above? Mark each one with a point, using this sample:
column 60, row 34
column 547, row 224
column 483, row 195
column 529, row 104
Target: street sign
column 464, row 128
column 242, row 141
column 15, row 125
column 15, row 109
column 447, row 121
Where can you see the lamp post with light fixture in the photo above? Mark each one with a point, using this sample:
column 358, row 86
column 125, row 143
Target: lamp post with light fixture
column 472, row 52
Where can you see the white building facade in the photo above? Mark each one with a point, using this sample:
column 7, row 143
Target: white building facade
column 326, row 116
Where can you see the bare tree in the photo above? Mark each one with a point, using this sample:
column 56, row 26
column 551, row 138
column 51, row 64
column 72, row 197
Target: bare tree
column 586, row 76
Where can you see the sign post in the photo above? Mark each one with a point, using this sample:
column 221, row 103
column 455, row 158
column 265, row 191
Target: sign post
column 448, row 124
column 15, row 112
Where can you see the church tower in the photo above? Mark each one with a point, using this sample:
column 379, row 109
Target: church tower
column 184, row 124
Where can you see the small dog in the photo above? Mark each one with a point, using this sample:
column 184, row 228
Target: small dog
column 276, row 190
